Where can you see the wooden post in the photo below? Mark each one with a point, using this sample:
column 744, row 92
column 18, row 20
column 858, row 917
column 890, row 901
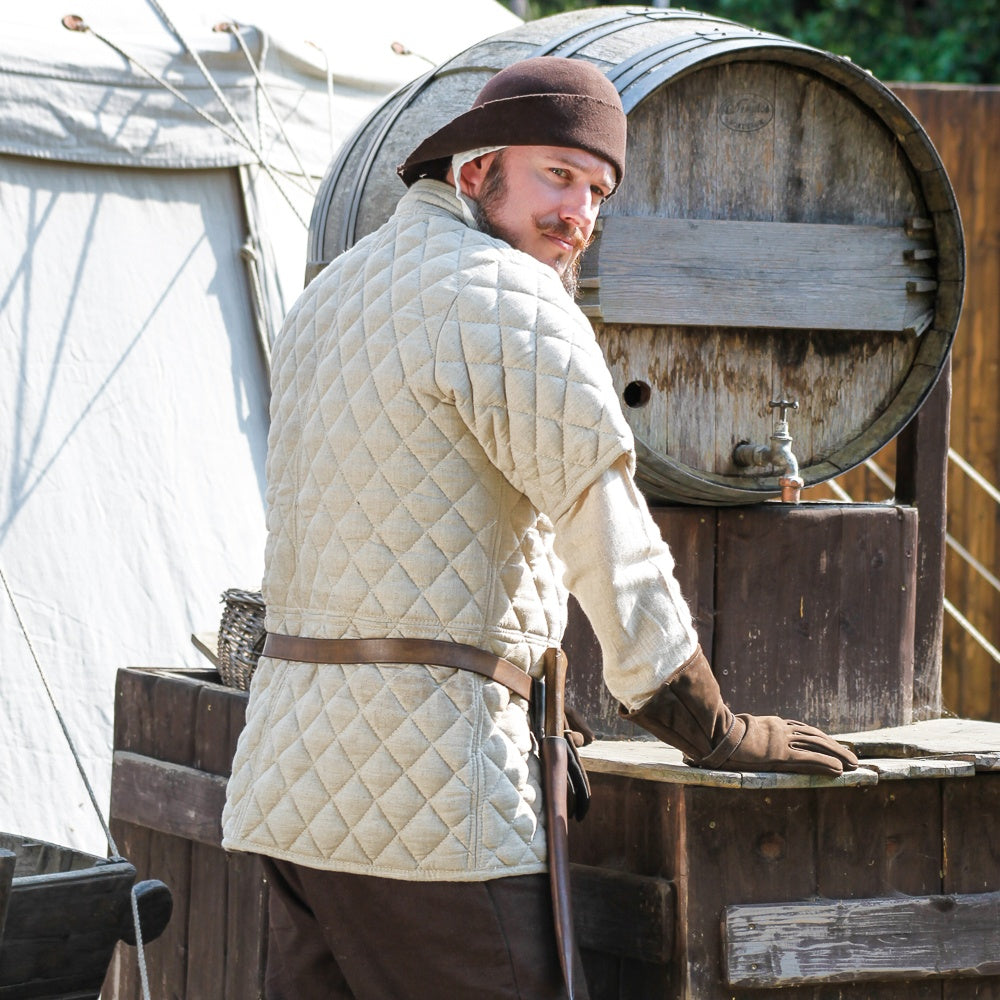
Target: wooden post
column 922, row 480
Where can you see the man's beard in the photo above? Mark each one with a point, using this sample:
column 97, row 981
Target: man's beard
column 492, row 194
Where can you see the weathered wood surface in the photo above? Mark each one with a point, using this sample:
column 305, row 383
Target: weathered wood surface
column 971, row 740
column 169, row 798
column 862, row 940
column 7, row 861
column 654, row 761
column 179, row 728
column 815, row 613
column 805, row 611
column 65, row 912
column 726, row 846
column 784, row 275
column 921, row 481
column 623, row 914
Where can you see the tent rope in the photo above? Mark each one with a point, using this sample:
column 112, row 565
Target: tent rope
column 217, row 90
column 243, row 140
column 112, row 846
column 236, row 30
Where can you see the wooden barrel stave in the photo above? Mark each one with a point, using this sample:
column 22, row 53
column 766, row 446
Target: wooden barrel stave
column 730, row 125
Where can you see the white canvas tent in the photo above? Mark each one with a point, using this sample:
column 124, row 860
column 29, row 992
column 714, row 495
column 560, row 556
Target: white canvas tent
column 146, row 256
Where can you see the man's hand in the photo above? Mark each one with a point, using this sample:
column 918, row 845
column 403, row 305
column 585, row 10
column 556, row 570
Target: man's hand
column 688, row 713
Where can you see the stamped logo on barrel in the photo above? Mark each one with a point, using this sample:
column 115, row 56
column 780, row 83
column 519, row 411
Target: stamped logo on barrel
column 745, row 112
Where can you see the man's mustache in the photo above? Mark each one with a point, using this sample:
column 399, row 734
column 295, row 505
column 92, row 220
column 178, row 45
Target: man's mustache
column 564, row 231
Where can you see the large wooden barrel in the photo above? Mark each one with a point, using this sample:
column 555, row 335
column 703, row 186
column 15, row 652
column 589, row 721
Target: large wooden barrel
column 785, row 230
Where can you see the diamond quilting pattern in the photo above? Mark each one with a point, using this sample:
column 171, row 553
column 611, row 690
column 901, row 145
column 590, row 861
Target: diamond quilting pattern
column 437, row 403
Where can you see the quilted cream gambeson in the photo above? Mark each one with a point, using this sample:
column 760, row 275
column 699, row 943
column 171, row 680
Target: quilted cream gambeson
column 437, row 402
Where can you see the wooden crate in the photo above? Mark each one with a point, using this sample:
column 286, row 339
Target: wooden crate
column 175, row 735
column 882, row 884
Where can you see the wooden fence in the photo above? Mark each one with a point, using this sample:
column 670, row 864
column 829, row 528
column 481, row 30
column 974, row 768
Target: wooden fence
column 964, row 125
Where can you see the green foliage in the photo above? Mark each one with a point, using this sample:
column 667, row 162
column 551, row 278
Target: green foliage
column 945, row 41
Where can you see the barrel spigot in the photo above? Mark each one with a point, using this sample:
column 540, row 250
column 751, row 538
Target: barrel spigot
column 778, row 453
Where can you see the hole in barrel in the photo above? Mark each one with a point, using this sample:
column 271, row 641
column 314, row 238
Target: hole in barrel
column 637, row 394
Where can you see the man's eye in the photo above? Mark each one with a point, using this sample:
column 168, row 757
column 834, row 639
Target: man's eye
column 559, row 171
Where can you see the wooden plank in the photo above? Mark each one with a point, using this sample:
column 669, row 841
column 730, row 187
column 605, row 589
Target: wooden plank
column 690, row 533
column 921, row 478
column 861, row 940
column 246, row 926
column 889, row 769
column 167, row 957
column 758, row 846
column 781, row 275
column 207, row 922
column 971, row 811
column 207, row 643
column 651, row 760
column 971, row 822
column 134, row 710
column 219, row 719
column 169, row 798
column 122, row 979
column 623, row 914
column 7, row 861
column 814, row 613
column 967, row 739
column 632, row 827
column 61, row 931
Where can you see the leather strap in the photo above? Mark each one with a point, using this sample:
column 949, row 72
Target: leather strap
column 554, row 753
column 728, row 745
column 304, row 649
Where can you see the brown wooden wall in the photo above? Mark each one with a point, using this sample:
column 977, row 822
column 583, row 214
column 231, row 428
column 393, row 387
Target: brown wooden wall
column 964, row 125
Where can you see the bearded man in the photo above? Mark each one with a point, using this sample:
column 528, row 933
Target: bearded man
column 447, row 458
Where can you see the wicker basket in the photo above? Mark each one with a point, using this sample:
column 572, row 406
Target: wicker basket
column 241, row 637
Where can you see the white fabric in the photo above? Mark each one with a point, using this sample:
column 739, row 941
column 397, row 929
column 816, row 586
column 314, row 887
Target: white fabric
column 438, row 400
column 133, row 403
column 67, row 95
column 622, row 573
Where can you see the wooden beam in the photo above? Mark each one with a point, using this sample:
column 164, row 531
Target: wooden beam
column 8, row 859
column 791, row 275
column 169, row 798
column 768, row 946
column 623, row 914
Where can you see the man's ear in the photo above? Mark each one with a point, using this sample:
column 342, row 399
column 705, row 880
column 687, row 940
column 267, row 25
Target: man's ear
column 473, row 174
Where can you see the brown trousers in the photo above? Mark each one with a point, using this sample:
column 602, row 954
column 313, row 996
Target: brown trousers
column 334, row 936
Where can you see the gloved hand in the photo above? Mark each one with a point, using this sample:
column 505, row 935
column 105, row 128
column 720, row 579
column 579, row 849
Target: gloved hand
column 688, row 713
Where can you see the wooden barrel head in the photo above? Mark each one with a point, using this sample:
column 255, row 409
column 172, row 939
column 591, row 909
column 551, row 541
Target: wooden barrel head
column 785, row 230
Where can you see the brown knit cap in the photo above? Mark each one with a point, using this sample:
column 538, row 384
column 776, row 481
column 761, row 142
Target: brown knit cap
column 545, row 101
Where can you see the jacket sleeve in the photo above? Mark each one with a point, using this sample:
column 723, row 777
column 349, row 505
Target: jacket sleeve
column 519, row 361
column 622, row 573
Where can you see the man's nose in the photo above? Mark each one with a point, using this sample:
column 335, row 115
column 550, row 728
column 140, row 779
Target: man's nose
column 580, row 208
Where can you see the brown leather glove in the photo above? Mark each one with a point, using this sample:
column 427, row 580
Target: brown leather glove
column 688, row 713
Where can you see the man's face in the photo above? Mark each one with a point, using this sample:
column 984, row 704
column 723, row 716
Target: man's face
column 543, row 200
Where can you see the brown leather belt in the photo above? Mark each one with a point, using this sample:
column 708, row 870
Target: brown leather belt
column 304, row 649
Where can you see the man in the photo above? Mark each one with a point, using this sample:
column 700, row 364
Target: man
column 447, row 456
